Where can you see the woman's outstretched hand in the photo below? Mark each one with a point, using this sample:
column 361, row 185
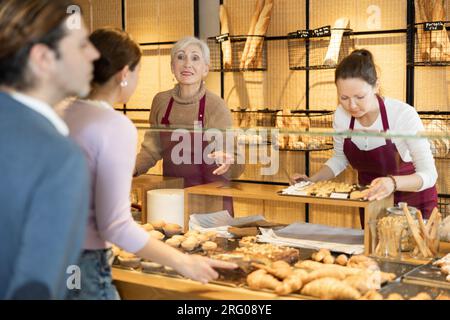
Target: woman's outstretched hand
column 380, row 188
column 297, row 177
column 201, row 268
column 223, row 159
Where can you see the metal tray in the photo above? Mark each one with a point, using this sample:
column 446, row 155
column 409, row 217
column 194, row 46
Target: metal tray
column 409, row 290
column 400, row 269
column 428, row 275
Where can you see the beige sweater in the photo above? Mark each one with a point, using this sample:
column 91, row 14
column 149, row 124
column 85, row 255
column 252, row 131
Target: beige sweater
column 184, row 113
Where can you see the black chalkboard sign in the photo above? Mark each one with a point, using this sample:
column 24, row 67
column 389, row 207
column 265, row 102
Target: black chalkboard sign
column 433, row 26
column 303, row 33
column 223, row 37
column 321, row 32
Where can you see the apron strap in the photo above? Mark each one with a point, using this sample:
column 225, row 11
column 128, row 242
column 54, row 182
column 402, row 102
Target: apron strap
column 383, row 113
column 352, row 123
column 165, row 119
column 201, row 111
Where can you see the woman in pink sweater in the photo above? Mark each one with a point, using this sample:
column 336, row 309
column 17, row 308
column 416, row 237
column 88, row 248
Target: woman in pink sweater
column 109, row 141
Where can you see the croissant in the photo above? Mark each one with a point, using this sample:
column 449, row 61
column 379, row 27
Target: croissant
column 330, row 288
column 363, row 282
column 325, row 273
column 280, row 269
column 260, row 279
column 372, row 295
column 292, row 283
column 362, row 262
column 308, row 265
column 313, row 265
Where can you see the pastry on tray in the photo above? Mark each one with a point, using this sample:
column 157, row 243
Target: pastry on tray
column 148, row 266
column 171, row 229
column 129, row 260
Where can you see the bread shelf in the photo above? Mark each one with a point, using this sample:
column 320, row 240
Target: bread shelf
column 431, row 44
column 438, row 123
column 227, row 53
column 315, row 49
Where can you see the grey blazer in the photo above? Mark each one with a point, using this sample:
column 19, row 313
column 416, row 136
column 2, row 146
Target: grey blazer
column 44, row 198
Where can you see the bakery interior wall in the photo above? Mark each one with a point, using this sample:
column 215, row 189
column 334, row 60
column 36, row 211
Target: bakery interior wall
column 154, row 21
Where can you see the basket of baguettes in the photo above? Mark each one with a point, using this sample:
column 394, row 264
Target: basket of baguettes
column 241, row 52
column 432, row 43
column 321, row 48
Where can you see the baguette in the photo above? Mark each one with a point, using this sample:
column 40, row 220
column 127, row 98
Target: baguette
column 226, row 45
column 260, row 30
column 258, row 8
column 420, row 242
column 332, row 56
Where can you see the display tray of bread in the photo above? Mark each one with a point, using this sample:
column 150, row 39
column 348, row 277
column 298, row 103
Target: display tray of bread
column 301, row 273
column 326, row 189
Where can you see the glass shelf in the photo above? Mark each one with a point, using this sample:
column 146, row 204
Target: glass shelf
column 325, row 132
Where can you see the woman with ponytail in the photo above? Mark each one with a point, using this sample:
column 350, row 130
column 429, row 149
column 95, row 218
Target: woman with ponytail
column 400, row 166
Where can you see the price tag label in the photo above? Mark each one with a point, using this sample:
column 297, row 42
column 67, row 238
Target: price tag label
column 223, row 37
column 433, row 26
column 321, row 32
column 303, row 33
column 338, row 195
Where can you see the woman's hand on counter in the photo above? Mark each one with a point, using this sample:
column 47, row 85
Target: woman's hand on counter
column 223, row 159
column 297, row 177
column 380, row 188
column 201, row 268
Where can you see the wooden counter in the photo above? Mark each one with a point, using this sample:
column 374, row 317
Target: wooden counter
column 208, row 198
column 136, row 285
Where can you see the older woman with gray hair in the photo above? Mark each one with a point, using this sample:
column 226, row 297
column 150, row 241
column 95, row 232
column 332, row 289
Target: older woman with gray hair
column 187, row 104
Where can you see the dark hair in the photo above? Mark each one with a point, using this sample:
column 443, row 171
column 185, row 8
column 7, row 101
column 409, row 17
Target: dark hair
column 24, row 24
column 359, row 64
column 117, row 50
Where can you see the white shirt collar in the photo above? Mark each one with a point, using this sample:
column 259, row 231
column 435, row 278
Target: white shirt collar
column 44, row 109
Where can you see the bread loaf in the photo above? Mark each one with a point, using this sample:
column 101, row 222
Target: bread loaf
column 226, row 45
column 258, row 8
column 256, row 43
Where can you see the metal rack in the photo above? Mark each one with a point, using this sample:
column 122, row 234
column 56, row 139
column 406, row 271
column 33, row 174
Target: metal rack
column 237, row 45
column 437, row 122
column 317, row 42
column 305, row 120
column 431, row 44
